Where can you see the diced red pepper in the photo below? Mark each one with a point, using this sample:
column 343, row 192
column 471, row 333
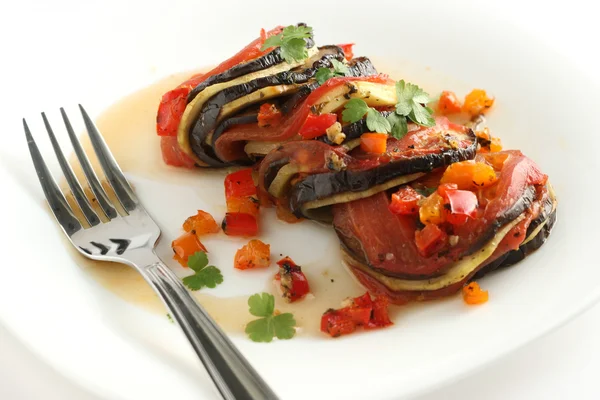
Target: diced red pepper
column 430, row 239
column 449, row 103
column 444, row 188
column 255, row 254
column 361, row 311
column 405, row 201
column 240, row 184
column 337, row 323
column 347, row 49
column 380, row 317
column 239, row 224
column 292, row 281
column 201, row 224
column 462, row 205
column 268, row 115
column 186, row 245
column 315, row 125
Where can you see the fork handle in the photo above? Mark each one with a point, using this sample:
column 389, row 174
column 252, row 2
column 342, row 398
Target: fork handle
column 233, row 376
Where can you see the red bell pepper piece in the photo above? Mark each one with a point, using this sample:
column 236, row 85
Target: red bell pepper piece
column 430, row 239
column 172, row 153
column 291, row 279
column 347, row 49
column 405, row 201
column 239, row 224
column 315, row 125
column 240, row 184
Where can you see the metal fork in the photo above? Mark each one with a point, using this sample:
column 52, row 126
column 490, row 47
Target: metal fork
column 130, row 239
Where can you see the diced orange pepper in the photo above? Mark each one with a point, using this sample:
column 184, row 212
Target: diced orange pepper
column 496, row 160
column 255, row 254
column 186, row 245
column 448, row 103
column 375, row 143
column 496, row 145
column 472, row 294
column 477, row 102
column 432, row 210
column 245, row 205
column 469, row 175
column 488, row 142
column 201, row 224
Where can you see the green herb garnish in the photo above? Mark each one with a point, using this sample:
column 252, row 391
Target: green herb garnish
column 269, row 326
column 409, row 107
column 205, row 275
column 291, row 41
column 339, row 69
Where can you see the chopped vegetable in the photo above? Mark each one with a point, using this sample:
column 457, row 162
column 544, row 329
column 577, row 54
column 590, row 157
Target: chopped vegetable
column 487, row 142
column 186, row 245
column 239, row 224
column 430, row 240
column 255, row 254
column 462, row 206
column 204, row 274
column 472, row 294
column 316, row 125
column 269, row 325
column 347, row 49
column 245, row 205
column 291, row 41
column 431, row 210
column 268, row 114
column 359, row 311
column 291, row 281
column 469, row 175
column 405, row 201
column 448, row 103
column 477, row 102
column 374, row 143
column 202, row 223
column 240, row 184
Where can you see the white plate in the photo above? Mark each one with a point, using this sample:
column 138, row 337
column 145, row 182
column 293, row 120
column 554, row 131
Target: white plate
column 113, row 348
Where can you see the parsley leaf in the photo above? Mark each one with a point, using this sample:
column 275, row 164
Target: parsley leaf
column 399, row 126
column 377, row 122
column 354, row 110
column 339, row 69
column 269, row 326
column 261, row 304
column 410, row 100
column 209, row 276
column 291, row 42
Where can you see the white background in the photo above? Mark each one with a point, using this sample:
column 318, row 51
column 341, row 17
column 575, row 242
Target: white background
column 561, row 365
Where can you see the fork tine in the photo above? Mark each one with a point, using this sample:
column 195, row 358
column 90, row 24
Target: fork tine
column 86, row 208
column 61, row 209
column 88, row 171
column 111, row 169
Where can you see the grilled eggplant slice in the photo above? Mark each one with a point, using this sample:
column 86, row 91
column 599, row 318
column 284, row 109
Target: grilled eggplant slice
column 230, row 143
column 334, row 176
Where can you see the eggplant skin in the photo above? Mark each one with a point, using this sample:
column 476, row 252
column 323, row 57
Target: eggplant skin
column 514, row 256
column 319, row 186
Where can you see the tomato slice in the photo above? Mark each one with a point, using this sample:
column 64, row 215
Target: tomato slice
column 239, row 224
column 172, row 153
column 240, row 184
column 315, row 125
column 405, row 201
column 430, row 239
